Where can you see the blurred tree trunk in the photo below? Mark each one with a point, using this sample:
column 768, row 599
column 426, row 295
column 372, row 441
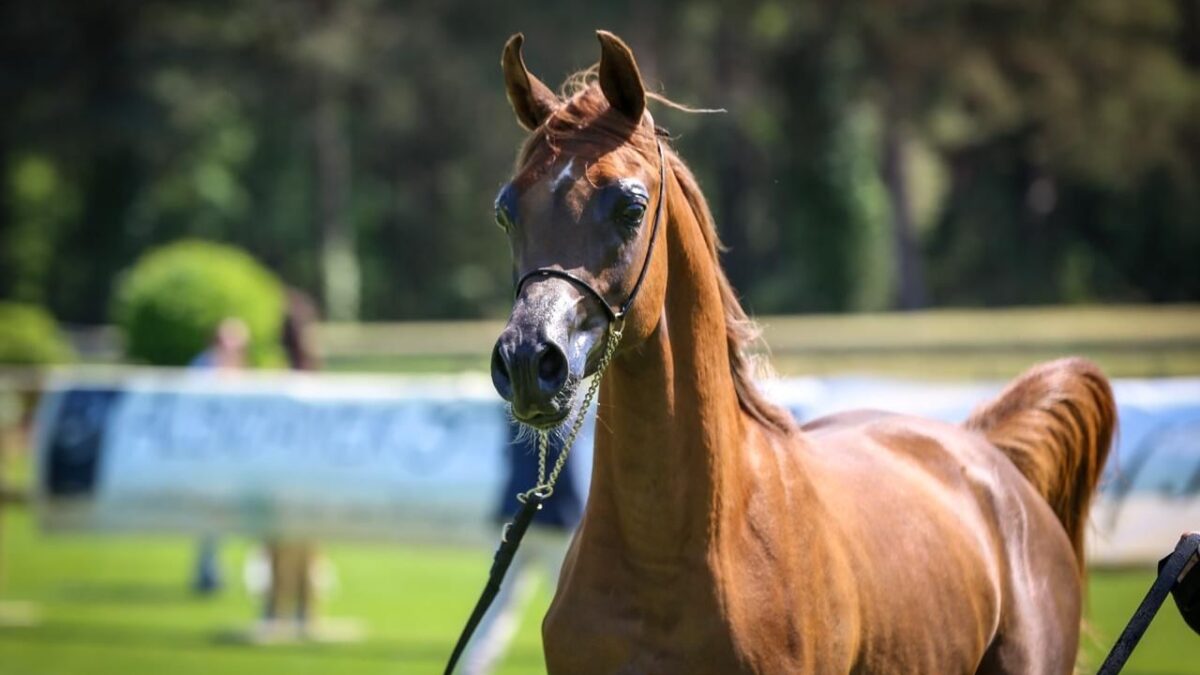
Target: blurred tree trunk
column 112, row 171
column 909, row 285
column 733, row 165
column 339, row 260
column 341, row 278
column 1189, row 32
column 6, row 224
column 732, row 192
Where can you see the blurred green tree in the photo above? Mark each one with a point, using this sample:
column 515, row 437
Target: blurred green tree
column 875, row 154
column 29, row 336
column 169, row 304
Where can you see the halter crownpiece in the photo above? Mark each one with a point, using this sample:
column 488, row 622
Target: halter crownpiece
column 618, row 314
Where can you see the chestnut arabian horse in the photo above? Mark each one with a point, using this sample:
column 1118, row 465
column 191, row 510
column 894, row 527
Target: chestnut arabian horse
column 719, row 535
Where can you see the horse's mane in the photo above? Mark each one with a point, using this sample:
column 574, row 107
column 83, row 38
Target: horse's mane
column 584, row 120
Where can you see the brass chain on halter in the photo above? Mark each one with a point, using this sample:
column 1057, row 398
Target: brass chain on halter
column 545, row 485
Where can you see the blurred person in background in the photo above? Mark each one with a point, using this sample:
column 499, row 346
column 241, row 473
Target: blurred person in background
column 542, row 550
column 228, row 348
column 227, row 351
column 291, row 593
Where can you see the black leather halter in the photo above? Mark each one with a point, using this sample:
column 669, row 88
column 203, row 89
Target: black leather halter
column 619, row 313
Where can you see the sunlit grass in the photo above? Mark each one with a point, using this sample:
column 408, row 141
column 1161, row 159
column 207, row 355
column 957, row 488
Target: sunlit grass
column 119, row 604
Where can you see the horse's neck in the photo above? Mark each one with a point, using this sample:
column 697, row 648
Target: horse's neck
column 669, row 428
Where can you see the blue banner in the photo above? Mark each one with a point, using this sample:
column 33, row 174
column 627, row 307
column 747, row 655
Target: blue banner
column 422, row 458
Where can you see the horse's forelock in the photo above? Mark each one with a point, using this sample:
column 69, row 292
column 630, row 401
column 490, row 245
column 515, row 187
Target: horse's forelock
column 585, row 125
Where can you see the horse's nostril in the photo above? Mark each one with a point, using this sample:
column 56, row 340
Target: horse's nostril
column 500, row 376
column 552, row 368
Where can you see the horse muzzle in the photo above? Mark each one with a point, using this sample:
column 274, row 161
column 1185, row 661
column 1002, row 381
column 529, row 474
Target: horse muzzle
column 541, row 356
column 532, row 375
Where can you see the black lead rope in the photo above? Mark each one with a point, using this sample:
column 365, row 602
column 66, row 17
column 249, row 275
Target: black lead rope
column 509, row 541
column 1176, row 575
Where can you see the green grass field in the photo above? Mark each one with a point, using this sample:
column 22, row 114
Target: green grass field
column 116, row 604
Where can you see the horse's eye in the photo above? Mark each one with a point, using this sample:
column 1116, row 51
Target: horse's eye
column 632, row 213
column 502, row 219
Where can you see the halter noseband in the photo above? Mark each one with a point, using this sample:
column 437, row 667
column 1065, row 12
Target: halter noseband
column 619, row 313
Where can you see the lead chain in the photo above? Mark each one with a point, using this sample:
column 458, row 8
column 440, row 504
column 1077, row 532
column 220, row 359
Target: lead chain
column 545, row 486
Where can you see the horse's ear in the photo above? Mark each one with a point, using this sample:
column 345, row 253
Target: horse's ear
column 619, row 77
column 531, row 100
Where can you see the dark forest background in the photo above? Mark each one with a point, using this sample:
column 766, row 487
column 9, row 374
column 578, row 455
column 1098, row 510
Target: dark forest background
column 874, row 155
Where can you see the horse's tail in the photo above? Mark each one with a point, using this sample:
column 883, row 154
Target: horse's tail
column 1056, row 423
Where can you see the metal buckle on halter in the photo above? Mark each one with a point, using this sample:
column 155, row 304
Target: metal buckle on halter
column 617, row 326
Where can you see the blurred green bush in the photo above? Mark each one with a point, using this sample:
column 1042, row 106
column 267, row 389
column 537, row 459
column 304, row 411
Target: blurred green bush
column 168, row 305
column 29, row 336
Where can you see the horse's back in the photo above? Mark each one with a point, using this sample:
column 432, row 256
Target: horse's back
column 909, row 455
column 929, row 509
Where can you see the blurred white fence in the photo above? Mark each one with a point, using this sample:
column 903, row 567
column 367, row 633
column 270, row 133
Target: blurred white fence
column 419, row 458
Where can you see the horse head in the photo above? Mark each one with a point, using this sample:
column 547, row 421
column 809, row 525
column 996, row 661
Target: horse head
column 582, row 213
